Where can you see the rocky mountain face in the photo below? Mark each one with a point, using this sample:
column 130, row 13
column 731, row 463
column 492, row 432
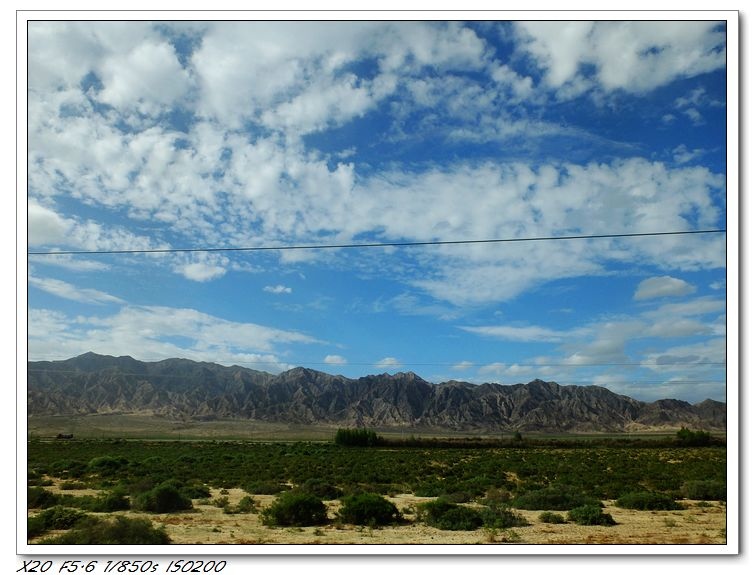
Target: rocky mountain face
column 179, row 388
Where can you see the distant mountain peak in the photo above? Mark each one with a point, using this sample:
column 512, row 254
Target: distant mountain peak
column 181, row 388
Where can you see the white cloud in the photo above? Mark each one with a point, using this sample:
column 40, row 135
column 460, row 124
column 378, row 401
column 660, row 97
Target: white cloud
column 158, row 332
column 277, row 289
column 462, row 365
column 200, row 266
column 632, row 56
column 68, row 291
column 682, row 155
column 335, row 360
column 664, row 286
column 148, row 77
column 388, row 363
column 45, row 226
column 219, row 185
column 515, row 333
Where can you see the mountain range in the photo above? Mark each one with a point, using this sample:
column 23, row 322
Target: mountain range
column 184, row 389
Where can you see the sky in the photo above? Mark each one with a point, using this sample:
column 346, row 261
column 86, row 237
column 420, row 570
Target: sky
column 223, row 135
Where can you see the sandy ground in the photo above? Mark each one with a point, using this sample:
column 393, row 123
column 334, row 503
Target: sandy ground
column 207, row 524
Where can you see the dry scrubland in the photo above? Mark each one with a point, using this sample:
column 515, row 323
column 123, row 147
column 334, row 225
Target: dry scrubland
column 208, row 524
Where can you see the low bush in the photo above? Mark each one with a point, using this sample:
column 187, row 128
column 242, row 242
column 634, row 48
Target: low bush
column 590, row 515
column 116, row 531
column 106, row 465
column 704, row 490
column 550, row 517
column 246, row 505
column 266, row 488
column 38, row 498
column 195, row 490
column 555, row 498
column 105, row 503
column 57, row 517
column 368, row 509
column 448, row 516
column 164, row 498
column 501, row 517
column 320, row 488
column 647, row 501
column 295, row 510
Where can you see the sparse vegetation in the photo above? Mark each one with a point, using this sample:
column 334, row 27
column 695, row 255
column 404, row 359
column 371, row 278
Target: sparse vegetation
column 476, row 488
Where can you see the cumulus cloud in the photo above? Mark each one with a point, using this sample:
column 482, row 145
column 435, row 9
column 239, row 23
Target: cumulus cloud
column 633, row 56
column 277, row 289
column 207, row 181
column 200, row 267
column 664, row 286
column 45, row 226
column 388, row 363
column 335, row 360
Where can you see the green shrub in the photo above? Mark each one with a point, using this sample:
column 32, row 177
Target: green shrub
column 448, row 516
column 195, row 490
column 105, row 503
column 590, row 515
column 57, row 517
column 550, row 517
column 368, row 509
column 246, row 505
column 296, row 510
column 320, row 488
column 500, row 516
column 107, row 466
column 357, row 437
column 164, row 498
column 116, row 531
column 688, row 438
column 496, row 496
column 704, row 490
column 266, row 487
column 554, row 497
column 647, row 500
column 38, row 498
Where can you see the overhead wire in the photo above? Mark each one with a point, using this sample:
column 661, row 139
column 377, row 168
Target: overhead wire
column 366, row 245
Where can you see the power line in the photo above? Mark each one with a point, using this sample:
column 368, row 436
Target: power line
column 368, row 245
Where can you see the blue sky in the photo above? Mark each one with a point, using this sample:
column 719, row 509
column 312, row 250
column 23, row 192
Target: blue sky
column 147, row 135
